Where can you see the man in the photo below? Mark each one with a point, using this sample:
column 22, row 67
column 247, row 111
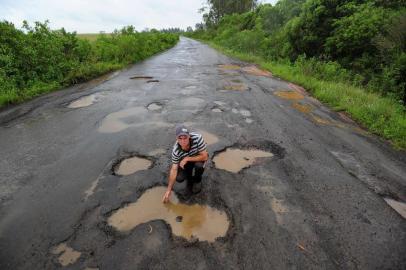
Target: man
column 188, row 153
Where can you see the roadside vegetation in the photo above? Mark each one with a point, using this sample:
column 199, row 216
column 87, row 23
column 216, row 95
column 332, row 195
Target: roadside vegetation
column 350, row 54
column 35, row 60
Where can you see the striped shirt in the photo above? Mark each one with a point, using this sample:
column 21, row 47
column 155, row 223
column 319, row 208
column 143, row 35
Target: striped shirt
column 197, row 145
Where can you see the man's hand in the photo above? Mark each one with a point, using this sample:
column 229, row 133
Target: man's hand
column 166, row 196
column 183, row 162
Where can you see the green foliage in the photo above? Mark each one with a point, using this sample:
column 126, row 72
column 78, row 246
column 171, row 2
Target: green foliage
column 37, row 59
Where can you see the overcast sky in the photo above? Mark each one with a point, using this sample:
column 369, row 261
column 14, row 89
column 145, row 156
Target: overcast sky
column 93, row 16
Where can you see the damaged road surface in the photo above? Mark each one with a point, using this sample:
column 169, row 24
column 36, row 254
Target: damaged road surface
column 290, row 184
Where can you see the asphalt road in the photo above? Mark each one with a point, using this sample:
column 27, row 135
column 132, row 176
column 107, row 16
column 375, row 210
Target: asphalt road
column 318, row 203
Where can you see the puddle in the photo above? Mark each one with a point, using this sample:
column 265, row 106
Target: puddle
column 217, row 110
column 141, row 78
column 154, row 107
column 320, row 120
column 67, row 255
column 246, row 113
column 229, row 67
column 220, row 103
column 191, row 102
column 399, row 207
column 132, row 117
column 234, row 160
column 234, row 110
column 304, row 108
column 289, row 95
column 253, row 70
column 187, row 221
column 236, row 87
column 82, row 102
column 208, row 137
column 151, row 81
column 249, row 120
column 131, row 165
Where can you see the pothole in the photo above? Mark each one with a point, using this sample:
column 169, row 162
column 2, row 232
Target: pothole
column 154, row 106
column 253, row 70
column 320, row 121
column 216, row 110
column 137, row 77
column 236, row 87
column 229, row 67
column 131, row 165
column 208, row 137
column 67, row 255
column 188, row 221
column 289, row 94
column 304, row 108
column 399, row 207
column 82, row 102
column 246, row 113
column 249, row 120
column 234, row 160
column 152, row 81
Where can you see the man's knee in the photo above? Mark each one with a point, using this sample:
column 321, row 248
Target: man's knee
column 180, row 177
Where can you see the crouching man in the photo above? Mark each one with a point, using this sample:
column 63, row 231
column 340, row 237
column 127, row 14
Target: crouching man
column 189, row 154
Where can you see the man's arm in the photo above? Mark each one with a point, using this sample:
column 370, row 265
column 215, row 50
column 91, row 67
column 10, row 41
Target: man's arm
column 201, row 156
column 171, row 181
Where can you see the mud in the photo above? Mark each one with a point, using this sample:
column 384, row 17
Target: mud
column 292, row 95
column 132, row 165
column 304, row 108
column 67, row 255
column 234, row 160
column 187, row 221
column 82, row 102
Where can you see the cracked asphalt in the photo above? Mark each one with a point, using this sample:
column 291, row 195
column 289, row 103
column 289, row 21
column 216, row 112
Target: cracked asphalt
column 318, row 203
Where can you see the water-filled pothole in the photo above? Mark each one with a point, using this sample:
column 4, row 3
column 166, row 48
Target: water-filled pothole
column 67, row 255
column 141, row 77
column 216, row 110
column 131, row 165
column 152, row 81
column 399, row 207
column 82, row 102
column 253, row 70
column 234, row 160
column 289, row 95
column 208, row 137
column 188, row 221
column 236, row 87
column 304, row 108
column 154, row 106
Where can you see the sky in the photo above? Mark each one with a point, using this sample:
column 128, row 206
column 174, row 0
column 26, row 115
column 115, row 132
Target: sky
column 93, row 16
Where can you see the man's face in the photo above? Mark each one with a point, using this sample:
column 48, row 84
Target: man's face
column 183, row 141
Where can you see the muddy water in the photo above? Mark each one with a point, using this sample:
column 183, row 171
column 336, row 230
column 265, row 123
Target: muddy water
column 234, row 160
column 82, row 102
column 304, row 108
column 208, row 137
column 188, row 221
column 131, row 165
column 114, row 122
column 229, row 67
column 253, row 70
column 397, row 206
column 289, row 95
column 67, row 255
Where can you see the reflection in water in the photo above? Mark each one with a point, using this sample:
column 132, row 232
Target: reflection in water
column 234, row 160
column 188, row 221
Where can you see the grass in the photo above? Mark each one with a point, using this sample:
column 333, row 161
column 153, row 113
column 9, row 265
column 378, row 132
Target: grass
column 380, row 115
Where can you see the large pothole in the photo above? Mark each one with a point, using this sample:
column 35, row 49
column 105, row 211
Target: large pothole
column 82, row 102
column 131, row 165
column 188, row 221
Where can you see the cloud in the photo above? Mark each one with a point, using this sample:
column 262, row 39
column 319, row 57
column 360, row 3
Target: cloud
column 93, row 16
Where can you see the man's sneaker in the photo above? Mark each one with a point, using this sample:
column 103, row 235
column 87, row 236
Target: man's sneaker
column 197, row 187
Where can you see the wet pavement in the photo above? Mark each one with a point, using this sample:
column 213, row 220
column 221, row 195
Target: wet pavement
column 325, row 194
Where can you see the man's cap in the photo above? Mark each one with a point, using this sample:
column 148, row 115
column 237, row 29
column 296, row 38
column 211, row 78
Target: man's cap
column 181, row 130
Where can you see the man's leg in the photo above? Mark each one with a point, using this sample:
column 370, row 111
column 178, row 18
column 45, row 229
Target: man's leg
column 197, row 178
